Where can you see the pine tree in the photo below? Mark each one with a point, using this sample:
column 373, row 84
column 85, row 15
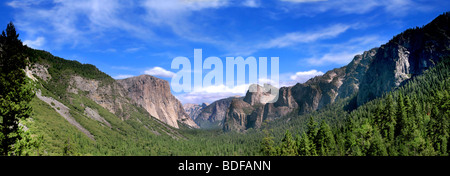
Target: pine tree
column 326, row 143
column 268, row 145
column 15, row 89
column 390, row 122
column 312, row 129
column 439, row 124
column 288, row 145
column 305, row 146
column 377, row 146
column 401, row 116
column 388, row 130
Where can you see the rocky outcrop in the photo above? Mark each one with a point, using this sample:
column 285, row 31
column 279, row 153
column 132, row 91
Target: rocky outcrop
column 354, row 73
column 153, row 94
column 237, row 116
column 37, row 71
column 112, row 97
column 93, row 114
column 212, row 116
column 260, row 95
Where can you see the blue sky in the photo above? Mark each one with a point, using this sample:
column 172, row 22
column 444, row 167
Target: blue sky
column 128, row 38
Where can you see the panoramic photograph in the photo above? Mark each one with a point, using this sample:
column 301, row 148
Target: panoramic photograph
column 224, row 78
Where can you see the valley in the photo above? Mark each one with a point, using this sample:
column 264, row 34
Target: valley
column 389, row 100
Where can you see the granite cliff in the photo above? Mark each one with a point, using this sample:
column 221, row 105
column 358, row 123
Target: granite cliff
column 153, row 94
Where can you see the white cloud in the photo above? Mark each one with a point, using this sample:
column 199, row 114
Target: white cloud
column 160, row 72
column 122, row 76
column 37, row 43
column 301, row 77
column 212, row 93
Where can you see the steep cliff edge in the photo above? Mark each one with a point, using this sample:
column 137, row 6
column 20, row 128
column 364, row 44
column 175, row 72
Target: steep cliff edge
column 154, row 95
column 405, row 56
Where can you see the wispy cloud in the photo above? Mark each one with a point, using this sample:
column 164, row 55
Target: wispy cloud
column 342, row 53
column 132, row 50
column 291, row 39
column 305, row 37
column 394, row 7
column 72, row 22
column 251, row 3
column 77, row 23
column 175, row 15
column 23, row 3
column 341, row 58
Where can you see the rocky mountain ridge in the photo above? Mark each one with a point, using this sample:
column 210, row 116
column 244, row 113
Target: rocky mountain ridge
column 369, row 75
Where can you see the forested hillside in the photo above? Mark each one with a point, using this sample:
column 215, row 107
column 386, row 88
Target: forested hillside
column 411, row 121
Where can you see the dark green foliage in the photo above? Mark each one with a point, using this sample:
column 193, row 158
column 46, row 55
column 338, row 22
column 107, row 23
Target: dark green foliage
column 16, row 91
column 268, row 145
column 288, row 145
column 305, row 146
column 325, row 143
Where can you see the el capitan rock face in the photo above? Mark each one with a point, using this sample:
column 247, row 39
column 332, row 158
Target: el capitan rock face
column 154, row 95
